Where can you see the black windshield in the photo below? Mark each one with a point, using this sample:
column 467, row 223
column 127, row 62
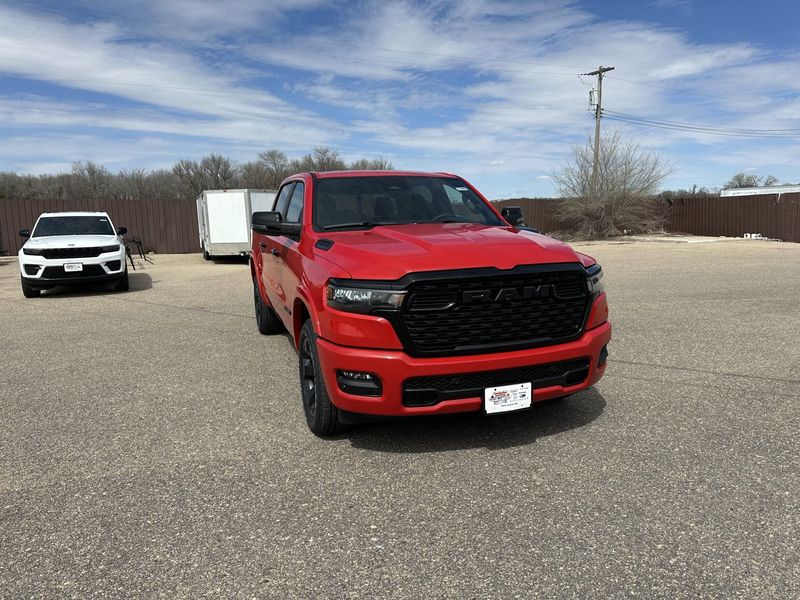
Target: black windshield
column 84, row 225
column 361, row 202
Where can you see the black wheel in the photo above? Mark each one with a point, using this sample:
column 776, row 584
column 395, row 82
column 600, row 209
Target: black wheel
column 28, row 291
column 322, row 416
column 266, row 319
column 123, row 285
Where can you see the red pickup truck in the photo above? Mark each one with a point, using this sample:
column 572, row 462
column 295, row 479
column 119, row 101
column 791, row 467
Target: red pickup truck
column 409, row 294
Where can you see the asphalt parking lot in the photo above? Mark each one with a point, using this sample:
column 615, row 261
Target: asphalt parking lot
column 152, row 444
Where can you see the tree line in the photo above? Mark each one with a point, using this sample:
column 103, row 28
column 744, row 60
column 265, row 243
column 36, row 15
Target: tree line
column 186, row 178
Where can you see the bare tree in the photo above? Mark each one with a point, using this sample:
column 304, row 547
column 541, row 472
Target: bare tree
column 743, row 180
column 276, row 165
column 92, row 180
column 368, row 164
column 190, row 180
column 623, row 200
column 218, row 170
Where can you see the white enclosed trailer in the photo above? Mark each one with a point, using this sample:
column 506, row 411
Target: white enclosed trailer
column 223, row 219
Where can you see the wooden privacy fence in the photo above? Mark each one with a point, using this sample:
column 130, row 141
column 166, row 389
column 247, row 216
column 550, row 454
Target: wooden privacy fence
column 164, row 226
column 772, row 215
column 170, row 226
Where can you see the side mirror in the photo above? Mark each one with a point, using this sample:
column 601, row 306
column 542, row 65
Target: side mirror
column 26, row 233
column 512, row 214
column 291, row 230
column 122, row 230
column 268, row 222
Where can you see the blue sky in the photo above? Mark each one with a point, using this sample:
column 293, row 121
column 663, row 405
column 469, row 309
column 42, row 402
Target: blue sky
column 485, row 88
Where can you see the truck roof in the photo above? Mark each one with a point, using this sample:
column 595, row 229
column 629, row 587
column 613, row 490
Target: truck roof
column 334, row 174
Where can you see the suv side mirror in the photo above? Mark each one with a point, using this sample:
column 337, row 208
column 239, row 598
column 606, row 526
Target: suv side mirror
column 268, row 222
column 512, row 214
column 122, row 230
column 26, row 233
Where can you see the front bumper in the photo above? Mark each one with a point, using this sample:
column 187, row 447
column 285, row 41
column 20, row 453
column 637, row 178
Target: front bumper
column 42, row 273
column 395, row 367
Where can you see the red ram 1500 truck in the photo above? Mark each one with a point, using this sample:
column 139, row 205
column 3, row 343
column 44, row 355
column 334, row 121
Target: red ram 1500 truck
column 409, row 294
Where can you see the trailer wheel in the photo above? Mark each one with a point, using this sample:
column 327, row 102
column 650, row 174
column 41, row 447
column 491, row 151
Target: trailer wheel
column 322, row 416
column 266, row 319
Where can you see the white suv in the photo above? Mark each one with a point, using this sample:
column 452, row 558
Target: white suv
column 72, row 248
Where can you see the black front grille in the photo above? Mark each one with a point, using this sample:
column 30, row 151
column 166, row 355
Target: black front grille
column 60, row 273
column 71, row 252
column 468, row 315
column 427, row 391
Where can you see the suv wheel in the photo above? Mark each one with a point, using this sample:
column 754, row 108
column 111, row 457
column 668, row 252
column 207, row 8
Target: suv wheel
column 123, row 285
column 266, row 319
column 322, row 416
column 28, row 291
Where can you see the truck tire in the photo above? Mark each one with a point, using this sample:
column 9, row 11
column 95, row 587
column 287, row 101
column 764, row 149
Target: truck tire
column 266, row 319
column 123, row 285
column 28, row 291
column 322, row 416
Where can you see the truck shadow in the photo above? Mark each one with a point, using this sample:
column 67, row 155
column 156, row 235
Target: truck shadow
column 474, row 430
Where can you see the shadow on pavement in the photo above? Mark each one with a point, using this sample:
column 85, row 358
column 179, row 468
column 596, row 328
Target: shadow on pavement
column 474, row 430
column 137, row 281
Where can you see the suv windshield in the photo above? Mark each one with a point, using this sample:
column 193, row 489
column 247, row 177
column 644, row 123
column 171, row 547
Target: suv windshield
column 346, row 202
column 84, row 225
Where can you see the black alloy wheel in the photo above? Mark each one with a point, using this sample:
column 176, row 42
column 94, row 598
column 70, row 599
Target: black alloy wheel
column 322, row 416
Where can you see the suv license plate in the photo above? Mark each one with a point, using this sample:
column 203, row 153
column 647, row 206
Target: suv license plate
column 506, row 398
column 73, row 267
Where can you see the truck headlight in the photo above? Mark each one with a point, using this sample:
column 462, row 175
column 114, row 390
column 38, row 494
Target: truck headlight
column 594, row 279
column 33, row 251
column 353, row 298
column 114, row 248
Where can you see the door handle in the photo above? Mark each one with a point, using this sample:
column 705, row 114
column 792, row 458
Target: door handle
column 275, row 252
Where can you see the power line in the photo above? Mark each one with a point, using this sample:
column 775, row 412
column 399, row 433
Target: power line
column 789, row 133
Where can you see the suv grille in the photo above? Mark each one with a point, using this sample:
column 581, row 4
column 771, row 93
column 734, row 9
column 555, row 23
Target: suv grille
column 427, row 391
column 496, row 313
column 60, row 273
column 71, row 252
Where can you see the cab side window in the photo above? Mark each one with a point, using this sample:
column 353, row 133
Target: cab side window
column 294, row 211
column 282, row 201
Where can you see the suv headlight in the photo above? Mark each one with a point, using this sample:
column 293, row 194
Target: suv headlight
column 114, row 248
column 354, row 298
column 33, row 251
column 594, row 279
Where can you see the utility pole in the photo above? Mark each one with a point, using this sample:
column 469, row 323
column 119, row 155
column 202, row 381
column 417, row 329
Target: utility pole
column 597, row 115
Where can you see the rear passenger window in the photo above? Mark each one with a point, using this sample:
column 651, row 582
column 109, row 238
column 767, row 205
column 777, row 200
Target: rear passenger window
column 282, row 201
column 295, row 210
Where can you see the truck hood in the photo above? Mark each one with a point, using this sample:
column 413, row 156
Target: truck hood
column 390, row 252
column 71, row 241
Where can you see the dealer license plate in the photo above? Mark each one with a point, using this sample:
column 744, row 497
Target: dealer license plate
column 73, row 267
column 506, row 398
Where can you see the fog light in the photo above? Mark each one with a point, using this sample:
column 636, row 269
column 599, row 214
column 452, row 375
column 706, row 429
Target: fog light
column 359, row 383
column 603, row 356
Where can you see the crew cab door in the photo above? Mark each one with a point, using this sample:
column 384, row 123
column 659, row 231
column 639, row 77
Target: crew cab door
column 290, row 252
column 270, row 262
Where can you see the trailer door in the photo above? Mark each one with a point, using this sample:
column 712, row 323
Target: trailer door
column 228, row 220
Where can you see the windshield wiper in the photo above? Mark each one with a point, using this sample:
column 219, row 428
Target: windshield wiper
column 363, row 224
